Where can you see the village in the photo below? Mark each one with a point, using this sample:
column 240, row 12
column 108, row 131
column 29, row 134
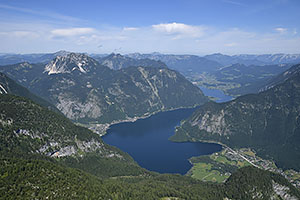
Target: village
column 249, row 155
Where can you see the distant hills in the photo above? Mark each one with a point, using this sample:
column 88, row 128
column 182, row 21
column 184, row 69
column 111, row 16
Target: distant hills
column 267, row 122
column 182, row 63
column 87, row 91
column 248, row 59
column 250, row 79
column 173, row 61
column 236, row 75
column 7, row 59
column 118, row 61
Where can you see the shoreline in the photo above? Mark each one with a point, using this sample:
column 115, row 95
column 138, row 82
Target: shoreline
column 101, row 129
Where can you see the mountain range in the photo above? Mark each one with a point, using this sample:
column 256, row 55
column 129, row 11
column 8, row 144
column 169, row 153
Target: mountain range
column 118, row 61
column 86, row 91
column 203, row 70
column 172, row 60
column 182, row 63
column 252, row 59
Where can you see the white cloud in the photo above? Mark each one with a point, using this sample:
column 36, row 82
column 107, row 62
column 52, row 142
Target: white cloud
column 174, row 38
column 281, row 30
column 72, row 32
column 180, row 29
column 20, row 34
column 130, row 29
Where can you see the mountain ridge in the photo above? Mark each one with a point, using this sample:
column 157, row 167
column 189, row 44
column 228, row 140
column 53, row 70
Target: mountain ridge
column 267, row 122
column 86, row 91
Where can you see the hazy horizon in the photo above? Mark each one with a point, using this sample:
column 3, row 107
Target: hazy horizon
column 108, row 53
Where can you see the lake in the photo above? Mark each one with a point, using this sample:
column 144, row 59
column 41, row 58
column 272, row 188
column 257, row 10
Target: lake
column 146, row 140
column 219, row 94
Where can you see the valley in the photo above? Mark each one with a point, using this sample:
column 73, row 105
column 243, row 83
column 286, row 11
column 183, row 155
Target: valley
column 149, row 100
column 137, row 137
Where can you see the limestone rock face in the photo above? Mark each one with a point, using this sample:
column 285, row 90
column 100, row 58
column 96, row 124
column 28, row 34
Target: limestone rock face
column 86, row 91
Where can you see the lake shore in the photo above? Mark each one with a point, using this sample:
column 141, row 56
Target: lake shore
column 101, row 129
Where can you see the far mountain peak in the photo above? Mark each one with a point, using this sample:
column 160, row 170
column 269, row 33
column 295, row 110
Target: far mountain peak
column 70, row 62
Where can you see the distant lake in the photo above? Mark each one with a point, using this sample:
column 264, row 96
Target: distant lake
column 219, row 94
column 146, row 140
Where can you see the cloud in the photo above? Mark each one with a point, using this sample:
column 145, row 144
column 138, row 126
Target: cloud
column 130, row 29
column 177, row 38
column 67, row 32
column 20, row 34
column 295, row 32
column 281, row 30
column 180, row 29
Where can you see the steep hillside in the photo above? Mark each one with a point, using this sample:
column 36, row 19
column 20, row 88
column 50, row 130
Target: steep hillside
column 254, row 183
column 29, row 129
column 8, row 86
column 282, row 77
column 86, row 91
column 268, row 122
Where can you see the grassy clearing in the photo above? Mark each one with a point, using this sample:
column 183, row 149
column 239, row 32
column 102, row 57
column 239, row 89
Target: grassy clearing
column 202, row 171
column 216, row 167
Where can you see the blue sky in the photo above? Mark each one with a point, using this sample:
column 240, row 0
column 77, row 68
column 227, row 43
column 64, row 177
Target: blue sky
column 179, row 26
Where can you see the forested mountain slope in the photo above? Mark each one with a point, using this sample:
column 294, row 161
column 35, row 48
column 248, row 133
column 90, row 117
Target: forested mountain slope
column 269, row 122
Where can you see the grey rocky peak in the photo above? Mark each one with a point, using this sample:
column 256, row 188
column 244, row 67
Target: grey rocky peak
column 69, row 63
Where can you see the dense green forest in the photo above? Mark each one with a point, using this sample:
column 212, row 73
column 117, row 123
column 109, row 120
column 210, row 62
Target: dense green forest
column 42, row 179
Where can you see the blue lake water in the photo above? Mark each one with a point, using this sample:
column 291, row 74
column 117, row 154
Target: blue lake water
column 219, row 94
column 146, row 140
